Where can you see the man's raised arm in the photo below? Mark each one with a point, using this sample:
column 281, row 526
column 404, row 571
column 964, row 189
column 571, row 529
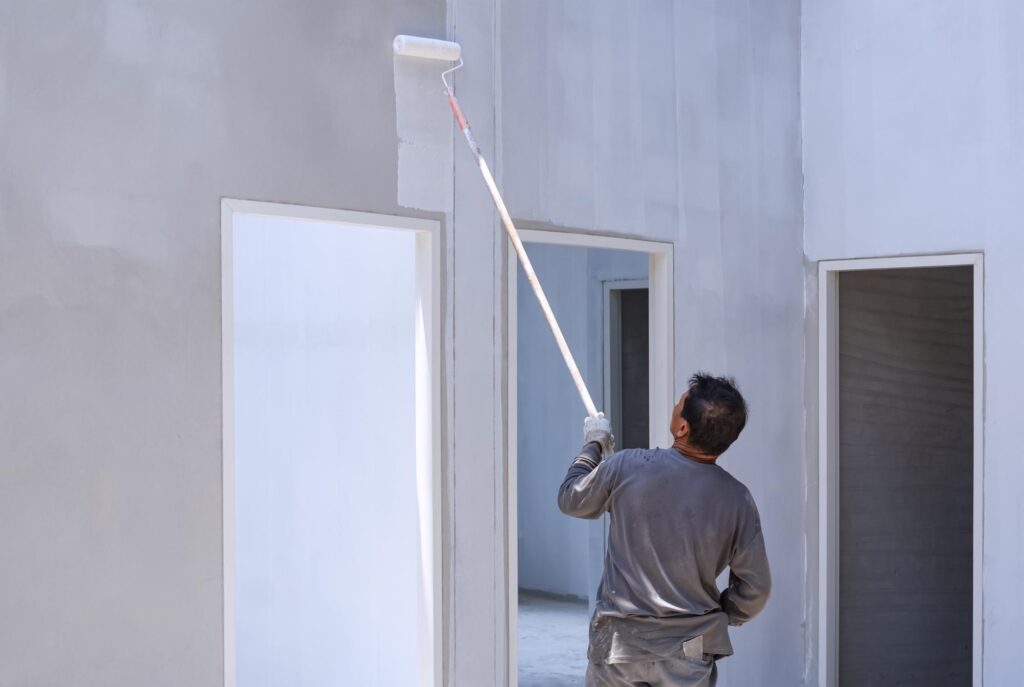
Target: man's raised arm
column 586, row 489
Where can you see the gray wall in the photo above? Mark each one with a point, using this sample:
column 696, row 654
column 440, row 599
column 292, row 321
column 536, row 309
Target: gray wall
column 680, row 121
column 121, row 126
column 124, row 124
column 913, row 139
column 557, row 553
column 906, row 469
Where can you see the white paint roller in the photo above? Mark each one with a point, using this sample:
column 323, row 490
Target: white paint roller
column 427, row 48
column 447, row 51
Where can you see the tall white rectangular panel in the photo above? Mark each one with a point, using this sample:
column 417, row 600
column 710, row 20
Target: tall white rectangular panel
column 326, row 517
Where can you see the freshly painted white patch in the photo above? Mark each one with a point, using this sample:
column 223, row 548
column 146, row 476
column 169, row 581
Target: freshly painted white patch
column 424, row 128
column 325, row 463
column 331, row 445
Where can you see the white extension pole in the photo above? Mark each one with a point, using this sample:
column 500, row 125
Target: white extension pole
column 524, row 259
column 447, row 51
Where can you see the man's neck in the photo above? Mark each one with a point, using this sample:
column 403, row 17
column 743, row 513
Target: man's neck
column 690, row 452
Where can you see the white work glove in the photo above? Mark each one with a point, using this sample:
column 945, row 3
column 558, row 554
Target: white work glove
column 599, row 430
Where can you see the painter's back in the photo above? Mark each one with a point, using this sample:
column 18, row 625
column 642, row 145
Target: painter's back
column 676, row 524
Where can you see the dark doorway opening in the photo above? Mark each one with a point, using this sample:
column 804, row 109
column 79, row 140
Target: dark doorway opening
column 906, row 465
column 628, row 366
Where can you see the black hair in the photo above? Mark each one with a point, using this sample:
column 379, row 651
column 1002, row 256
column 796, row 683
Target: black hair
column 716, row 412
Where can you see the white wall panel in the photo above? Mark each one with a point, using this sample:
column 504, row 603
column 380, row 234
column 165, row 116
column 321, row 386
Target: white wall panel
column 327, row 542
column 680, row 121
column 913, row 127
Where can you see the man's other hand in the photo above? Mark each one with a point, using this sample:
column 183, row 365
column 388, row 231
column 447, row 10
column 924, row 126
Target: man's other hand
column 598, row 429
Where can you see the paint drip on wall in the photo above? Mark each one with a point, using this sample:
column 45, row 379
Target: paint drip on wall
column 424, row 129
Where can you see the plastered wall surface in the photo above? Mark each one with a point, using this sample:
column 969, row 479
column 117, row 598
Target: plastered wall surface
column 121, row 126
column 919, row 151
column 680, row 121
column 557, row 553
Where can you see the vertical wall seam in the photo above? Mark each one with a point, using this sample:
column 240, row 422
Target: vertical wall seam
column 809, row 587
column 448, row 377
column 500, row 341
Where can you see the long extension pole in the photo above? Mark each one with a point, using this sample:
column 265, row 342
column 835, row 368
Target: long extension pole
column 524, row 259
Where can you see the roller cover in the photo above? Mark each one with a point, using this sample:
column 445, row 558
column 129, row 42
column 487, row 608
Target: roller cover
column 427, row 48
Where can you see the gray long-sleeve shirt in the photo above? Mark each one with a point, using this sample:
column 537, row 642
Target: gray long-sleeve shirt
column 675, row 525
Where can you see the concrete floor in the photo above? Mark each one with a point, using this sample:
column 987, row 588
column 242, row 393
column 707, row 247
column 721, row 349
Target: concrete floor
column 552, row 641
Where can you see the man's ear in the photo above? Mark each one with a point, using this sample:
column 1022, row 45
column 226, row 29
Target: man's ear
column 683, row 430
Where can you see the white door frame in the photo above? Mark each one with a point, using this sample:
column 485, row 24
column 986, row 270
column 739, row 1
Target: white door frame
column 428, row 412
column 828, row 449
column 661, row 392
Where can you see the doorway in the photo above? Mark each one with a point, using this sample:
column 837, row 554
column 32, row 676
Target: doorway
column 901, row 468
column 612, row 298
column 627, row 362
column 330, row 334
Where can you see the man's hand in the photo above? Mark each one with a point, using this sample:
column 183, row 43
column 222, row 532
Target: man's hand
column 599, row 430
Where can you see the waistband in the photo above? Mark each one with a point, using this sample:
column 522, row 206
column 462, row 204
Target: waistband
column 628, row 639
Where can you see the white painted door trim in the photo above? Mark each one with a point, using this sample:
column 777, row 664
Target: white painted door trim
column 828, row 417
column 661, row 355
column 428, row 412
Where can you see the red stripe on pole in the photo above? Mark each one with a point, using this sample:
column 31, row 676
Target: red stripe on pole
column 460, row 119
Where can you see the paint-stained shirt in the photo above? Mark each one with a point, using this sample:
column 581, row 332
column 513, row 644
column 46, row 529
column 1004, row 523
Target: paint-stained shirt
column 675, row 525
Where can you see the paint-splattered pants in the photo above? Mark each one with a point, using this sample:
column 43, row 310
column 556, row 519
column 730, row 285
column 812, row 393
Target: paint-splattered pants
column 669, row 672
